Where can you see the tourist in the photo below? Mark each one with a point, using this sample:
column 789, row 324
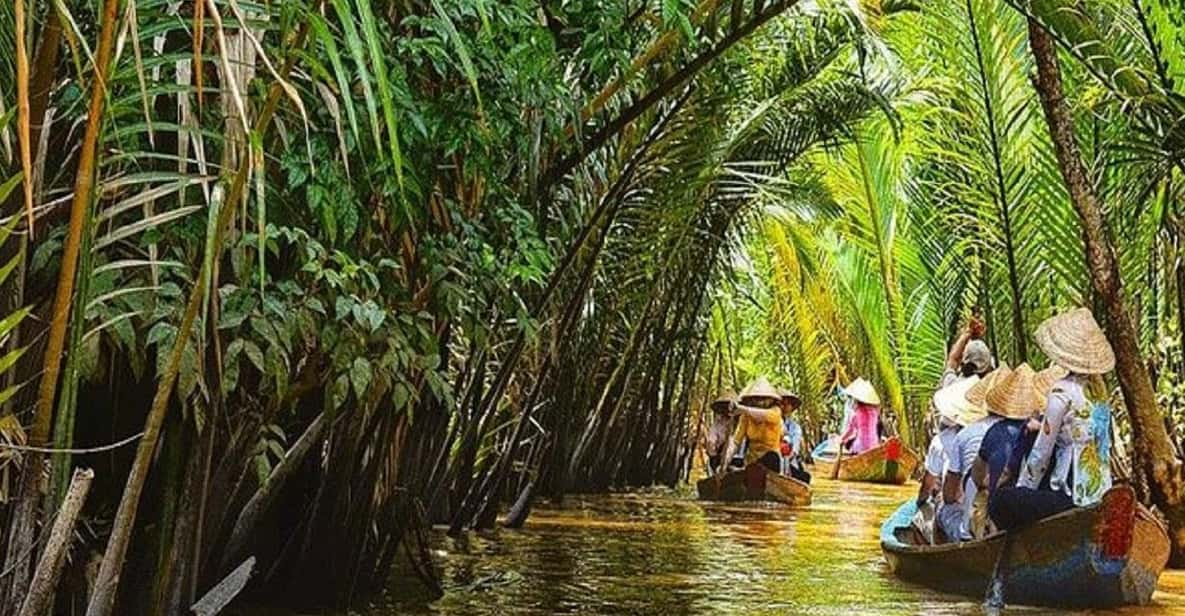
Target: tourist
column 952, row 411
column 862, row 430
column 957, row 493
column 968, row 356
column 1016, row 399
column 1069, row 463
column 792, row 464
column 760, row 424
column 716, row 442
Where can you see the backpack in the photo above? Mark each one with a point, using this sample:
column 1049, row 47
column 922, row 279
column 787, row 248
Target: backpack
column 1090, row 432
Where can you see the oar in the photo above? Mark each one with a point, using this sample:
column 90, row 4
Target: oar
column 838, row 457
column 993, row 603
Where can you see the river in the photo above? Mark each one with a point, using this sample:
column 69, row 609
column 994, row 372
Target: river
column 662, row 552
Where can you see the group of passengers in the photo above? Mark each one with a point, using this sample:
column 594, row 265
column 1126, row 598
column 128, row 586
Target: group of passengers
column 1015, row 445
column 757, row 427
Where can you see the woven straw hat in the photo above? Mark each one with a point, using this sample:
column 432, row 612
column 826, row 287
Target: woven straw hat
column 760, row 388
column 952, row 404
column 793, row 397
column 862, row 391
column 977, row 395
column 1074, row 341
column 726, row 399
column 1017, row 395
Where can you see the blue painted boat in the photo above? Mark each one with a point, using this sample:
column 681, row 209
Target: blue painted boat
column 1105, row 555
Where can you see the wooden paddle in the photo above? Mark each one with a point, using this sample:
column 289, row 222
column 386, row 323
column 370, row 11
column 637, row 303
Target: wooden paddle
column 993, row 603
column 838, row 457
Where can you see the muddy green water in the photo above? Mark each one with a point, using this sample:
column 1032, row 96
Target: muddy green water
column 665, row 553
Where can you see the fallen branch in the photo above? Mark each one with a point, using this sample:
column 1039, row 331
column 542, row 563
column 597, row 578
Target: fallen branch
column 49, row 568
column 267, row 493
column 225, row 591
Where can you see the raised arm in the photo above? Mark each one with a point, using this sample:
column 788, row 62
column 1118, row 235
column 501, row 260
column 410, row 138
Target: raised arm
column 955, row 357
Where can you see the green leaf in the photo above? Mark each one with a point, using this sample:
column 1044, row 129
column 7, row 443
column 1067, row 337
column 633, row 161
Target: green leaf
column 463, row 51
column 400, row 394
column 187, row 376
column 360, row 376
column 254, row 354
column 358, row 54
column 161, row 332
column 341, row 390
column 377, row 55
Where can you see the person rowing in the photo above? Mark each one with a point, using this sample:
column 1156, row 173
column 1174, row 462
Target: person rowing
column 862, row 431
column 716, row 441
column 760, row 425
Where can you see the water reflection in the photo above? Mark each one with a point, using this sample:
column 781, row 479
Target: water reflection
column 664, row 553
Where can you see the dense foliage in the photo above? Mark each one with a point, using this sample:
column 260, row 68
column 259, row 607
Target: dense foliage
column 356, row 267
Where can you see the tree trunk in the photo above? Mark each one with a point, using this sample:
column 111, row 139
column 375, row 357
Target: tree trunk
column 1158, row 463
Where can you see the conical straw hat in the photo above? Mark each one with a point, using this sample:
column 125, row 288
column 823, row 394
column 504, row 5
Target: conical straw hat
column 722, row 402
column 977, row 395
column 863, row 391
column 760, row 388
column 1017, row 395
column 1074, row 341
column 790, row 395
column 952, row 404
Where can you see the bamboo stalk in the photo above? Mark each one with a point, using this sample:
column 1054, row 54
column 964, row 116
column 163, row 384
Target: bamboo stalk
column 24, row 140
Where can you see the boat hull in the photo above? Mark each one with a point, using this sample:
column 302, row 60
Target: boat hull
column 754, row 483
column 890, row 462
column 1106, row 555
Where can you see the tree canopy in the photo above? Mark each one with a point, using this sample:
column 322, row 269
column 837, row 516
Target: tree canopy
column 299, row 278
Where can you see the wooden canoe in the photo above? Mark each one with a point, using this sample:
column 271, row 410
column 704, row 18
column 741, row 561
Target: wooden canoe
column 1105, row 555
column 889, row 462
column 754, row 482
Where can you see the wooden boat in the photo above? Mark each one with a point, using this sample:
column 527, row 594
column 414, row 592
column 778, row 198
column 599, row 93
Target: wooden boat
column 1105, row 555
column 754, row 482
column 889, row 462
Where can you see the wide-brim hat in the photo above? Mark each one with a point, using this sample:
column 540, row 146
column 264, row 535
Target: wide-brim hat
column 977, row 394
column 1074, row 341
column 760, row 388
column 952, row 404
column 790, row 395
column 1017, row 395
column 862, row 391
column 726, row 399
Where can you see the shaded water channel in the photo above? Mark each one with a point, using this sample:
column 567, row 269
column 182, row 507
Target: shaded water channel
column 665, row 553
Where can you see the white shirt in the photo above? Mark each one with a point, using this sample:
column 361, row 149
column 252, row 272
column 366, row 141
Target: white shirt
column 959, row 461
column 936, row 455
column 1054, row 442
column 966, row 448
